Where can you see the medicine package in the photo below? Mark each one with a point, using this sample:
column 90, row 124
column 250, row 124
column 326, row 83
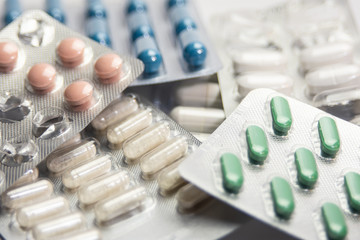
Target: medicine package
column 286, row 163
column 53, row 82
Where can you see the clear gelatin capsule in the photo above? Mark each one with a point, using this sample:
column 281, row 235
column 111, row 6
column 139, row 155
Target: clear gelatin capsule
column 100, row 189
column 59, row 227
column 169, row 179
column 80, row 175
column 28, row 177
column 29, row 216
column 71, row 156
column 91, row 234
column 28, row 194
column 162, row 156
column 120, row 204
column 146, row 140
column 189, row 196
column 119, row 132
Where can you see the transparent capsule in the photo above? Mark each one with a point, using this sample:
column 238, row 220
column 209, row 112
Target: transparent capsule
column 189, row 196
column 91, row 234
column 146, row 140
column 119, row 132
column 102, row 188
column 162, row 156
column 59, row 226
column 29, row 216
column 120, row 204
column 71, row 156
column 80, row 175
column 169, row 179
column 115, row 112
column 29, row 176
column 28, row 194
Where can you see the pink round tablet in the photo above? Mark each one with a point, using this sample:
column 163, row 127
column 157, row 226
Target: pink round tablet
column 79, row 95
column 71, row 52
column 108, row 68
column 42, row 77
column 8, row 56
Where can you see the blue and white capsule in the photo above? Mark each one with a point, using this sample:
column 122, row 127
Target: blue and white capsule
column 175, row 3
column 12, row 10
column 139, row 25
column 181, row 19
column 136, row 6
column 96, row 9
column 54, row 9
column 97, row 29
column 194, row 51
column 148, row 52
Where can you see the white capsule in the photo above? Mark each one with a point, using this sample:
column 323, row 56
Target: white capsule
column 331, row 77
column 104, row 187
column 162, row 156
column 71, row 156
column 59, row 227
column 29, row 176
column 258, row 59
column 197, row 119
column 120, row 204
column 29, row 216
column 27, row 194
column 276, row 81
column 169, row 179
column 74, row 178
column 322, row 55
column 116, row 111
column 92, row 234
column 119, row 132
column 145, row 141
column 189, row 196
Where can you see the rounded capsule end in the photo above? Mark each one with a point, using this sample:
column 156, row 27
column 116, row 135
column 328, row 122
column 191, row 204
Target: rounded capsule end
column 101, row 38
column 172, row 3
column 185, row 24
column 152, row 60
column 136, row 6
column 142, row 31
column 195, row 54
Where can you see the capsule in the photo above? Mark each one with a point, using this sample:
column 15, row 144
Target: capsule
column 169, row 179
column 181, row 19
column 257, row 144
column 120, row 204
column 189, row 196
column 193, row 49
column 119, row 132
column 145, row 141
column 115, row 112
column 32, row 215
column 96, row 9
column 162, row 156
column 59, row 227
column 91, row 234
column 102, row 188
column 147, row 51
column 55, row 10
column 80, row 175
column 329, row 137
column 71, row 156
column 352, row 186
column 13, row 10
column 175, row 3
column 139, row 25
column 334, row 221
column 97, row 29
column 28, row 194
column 282, row 197
column 198, row 119
column 29, row 176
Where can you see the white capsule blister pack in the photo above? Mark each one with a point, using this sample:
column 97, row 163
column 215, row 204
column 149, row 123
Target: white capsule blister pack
column 295, row 170
column 53, row 83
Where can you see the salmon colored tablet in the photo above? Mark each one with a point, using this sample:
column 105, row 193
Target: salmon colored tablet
column 79, row 95
column 42, row 77
column 71, row 52
column 108, row 68
column 8, row 56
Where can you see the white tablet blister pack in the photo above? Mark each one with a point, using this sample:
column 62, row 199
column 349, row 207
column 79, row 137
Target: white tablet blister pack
column 286, row 163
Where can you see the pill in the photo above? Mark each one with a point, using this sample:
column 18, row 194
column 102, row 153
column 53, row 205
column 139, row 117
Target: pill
column 139, row 25
column 172, row 3
column 29, row 176
column 8, row 56
column 198, row 119
column 119, row 132
column 169, row 178
column 55, row 10
column 80, row 175
column 329, row 137
column 146, row 140
column 334, row 221
column 59, row 227
column 116, row 111
column 193, row 49
column 147, row 51
column 27, row 194
column 32, row 215
column 282, row 197
column 181, row 19
column 258, row 59
column 276, row 81
column 79, row 95
column 13, row 10
column 120, row 204
column 257, row 144
column 71, row 156
column 96, row 9
column 307, row 173
column 71, row 52
column 103, row 188
column 352, row 186
column 91, row 234
column 281, row 115
column 108, row 68
column 97, row 29
column 162, row 156
column 232, row 174
column 136, row 6
column 332, row 77
column 326, row 54
column 42, row 78
column 189, row 197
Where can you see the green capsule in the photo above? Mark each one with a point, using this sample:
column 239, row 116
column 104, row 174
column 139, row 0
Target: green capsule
column 282, row 197
column 334, row 221
column 232, row 174
column 307, row 173
column 352, row 186
column 329, row 136
column 257, row 144
column 281, row 115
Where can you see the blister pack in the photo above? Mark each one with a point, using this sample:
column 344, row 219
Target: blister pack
column 53, row 83
column 297, row 172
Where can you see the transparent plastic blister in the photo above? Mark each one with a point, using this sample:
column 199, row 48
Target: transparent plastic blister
column 300, row 187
